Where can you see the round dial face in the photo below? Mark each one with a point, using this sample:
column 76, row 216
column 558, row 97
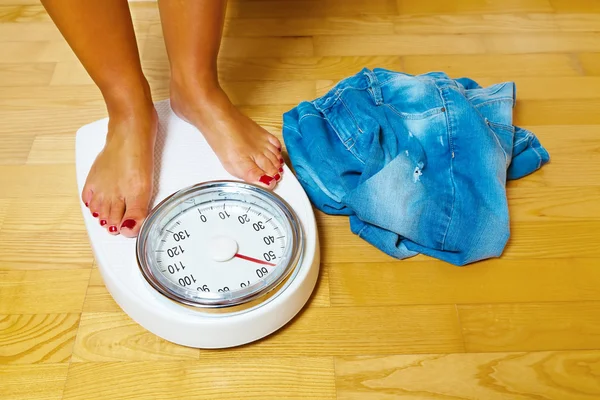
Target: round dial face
column 219, row 244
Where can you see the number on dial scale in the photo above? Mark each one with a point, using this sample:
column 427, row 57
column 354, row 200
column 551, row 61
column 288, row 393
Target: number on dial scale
column 181, row 235
column 187, row 280
column 176, row 267
column 175, row 251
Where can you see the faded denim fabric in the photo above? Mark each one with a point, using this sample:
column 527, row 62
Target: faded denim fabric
column 418, row 163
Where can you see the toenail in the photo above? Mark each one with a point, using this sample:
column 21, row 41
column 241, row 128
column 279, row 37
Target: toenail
column 281, row 170
column 95, row 215
column 266, row 179
column 281, row 160
column 129, row 224
column 277, row 177
column 102, row 222
column 112, row 229
column 87, row 205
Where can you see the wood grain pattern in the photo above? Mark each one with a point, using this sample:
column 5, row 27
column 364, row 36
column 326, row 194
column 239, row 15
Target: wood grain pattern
column 309, row 8
column 434, row 282
column 370, row 45
column 4, row 203
column 116, row 337
column 523, row 326
column 473, row 6
column 38, row 226
column 531, row 326
column 33, row 382
column 13, row 12
column 248, row 379
column 37, row 338
column 499, row 66
column 307, row 26
column 97, row 297
column 590, row 63
column 52, row 149
column 575, row 6
column 477, row 23
column 23, row 74
column 32, row 181
column 315, row 331
column 568, row 375
column 541, row 43
column 52, row 291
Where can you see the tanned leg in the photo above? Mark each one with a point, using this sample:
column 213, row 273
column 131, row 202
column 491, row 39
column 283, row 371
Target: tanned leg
column 192, row 32
column 119, row 185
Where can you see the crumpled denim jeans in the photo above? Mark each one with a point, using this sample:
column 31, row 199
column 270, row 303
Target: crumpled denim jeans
column 418, row 163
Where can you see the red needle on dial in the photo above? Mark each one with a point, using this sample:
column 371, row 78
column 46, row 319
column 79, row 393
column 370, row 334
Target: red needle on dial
column 253, row 260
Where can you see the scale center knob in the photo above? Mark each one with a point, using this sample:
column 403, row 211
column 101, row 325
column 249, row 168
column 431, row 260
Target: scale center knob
column 223, row 248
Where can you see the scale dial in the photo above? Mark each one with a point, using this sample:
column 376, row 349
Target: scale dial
column 219, row 244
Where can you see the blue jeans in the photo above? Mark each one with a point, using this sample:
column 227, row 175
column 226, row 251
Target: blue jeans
column 418, row 163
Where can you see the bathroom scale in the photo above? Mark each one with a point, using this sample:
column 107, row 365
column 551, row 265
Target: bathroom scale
column 218, row 262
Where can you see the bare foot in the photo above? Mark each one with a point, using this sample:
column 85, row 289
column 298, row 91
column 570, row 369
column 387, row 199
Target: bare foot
column 245, row 150
column 119, row 185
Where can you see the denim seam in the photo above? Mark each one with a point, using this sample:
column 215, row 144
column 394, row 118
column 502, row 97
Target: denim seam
column 539, row 157
column 451, row 144
column 490, row 130
column 359, row 233
column 426, row 114
column 498, row 100
column 337, row 96
column 310, row 115
column 344, row 142
column 292, row 129
column 351, row 115
column 522, row 140
column 506, row 158
column 488, row 92
column 398, row 77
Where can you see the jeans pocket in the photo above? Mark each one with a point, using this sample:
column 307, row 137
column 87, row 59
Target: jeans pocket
column 504, row 136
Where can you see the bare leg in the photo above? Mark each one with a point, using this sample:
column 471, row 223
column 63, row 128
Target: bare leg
column 192, row 31
column 101, row 34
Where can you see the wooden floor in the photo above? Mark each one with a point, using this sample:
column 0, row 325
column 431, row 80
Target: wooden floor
column 526, row 326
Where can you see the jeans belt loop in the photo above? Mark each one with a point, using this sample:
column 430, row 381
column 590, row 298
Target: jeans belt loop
column 374, row 87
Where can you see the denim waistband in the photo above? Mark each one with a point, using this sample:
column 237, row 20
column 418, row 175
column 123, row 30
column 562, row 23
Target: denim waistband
column 375, row 80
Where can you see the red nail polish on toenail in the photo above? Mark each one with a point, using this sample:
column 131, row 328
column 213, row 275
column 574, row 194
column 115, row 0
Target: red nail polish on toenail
column 280, row 169
column 129, row 224
column 87, row 205
column 102, row 222
column 266, row 179
column 95, row 215
column 281, row 160
column 112, row 228
column 277, row 177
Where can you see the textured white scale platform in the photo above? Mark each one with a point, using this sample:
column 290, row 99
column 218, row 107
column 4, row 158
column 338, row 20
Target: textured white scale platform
column 183, row 159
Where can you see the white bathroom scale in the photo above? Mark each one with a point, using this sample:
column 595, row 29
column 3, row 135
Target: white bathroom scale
column 218, row 262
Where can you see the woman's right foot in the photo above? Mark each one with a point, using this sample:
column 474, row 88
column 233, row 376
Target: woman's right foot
column 119, row 184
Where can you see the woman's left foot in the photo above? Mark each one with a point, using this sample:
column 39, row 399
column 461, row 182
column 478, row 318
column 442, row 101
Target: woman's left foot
column 245, row 150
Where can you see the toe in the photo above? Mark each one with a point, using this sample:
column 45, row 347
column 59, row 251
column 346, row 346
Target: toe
column 252, row 173
column 103, row 212
column 136, row 210
column 275, row 142
column 274, row 159
column 264, row 162
column 117, row 209
column 86, row 196
column 96, row 205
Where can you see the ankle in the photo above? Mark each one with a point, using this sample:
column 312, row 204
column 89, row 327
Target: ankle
column 195, row 85
column 127, row 100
